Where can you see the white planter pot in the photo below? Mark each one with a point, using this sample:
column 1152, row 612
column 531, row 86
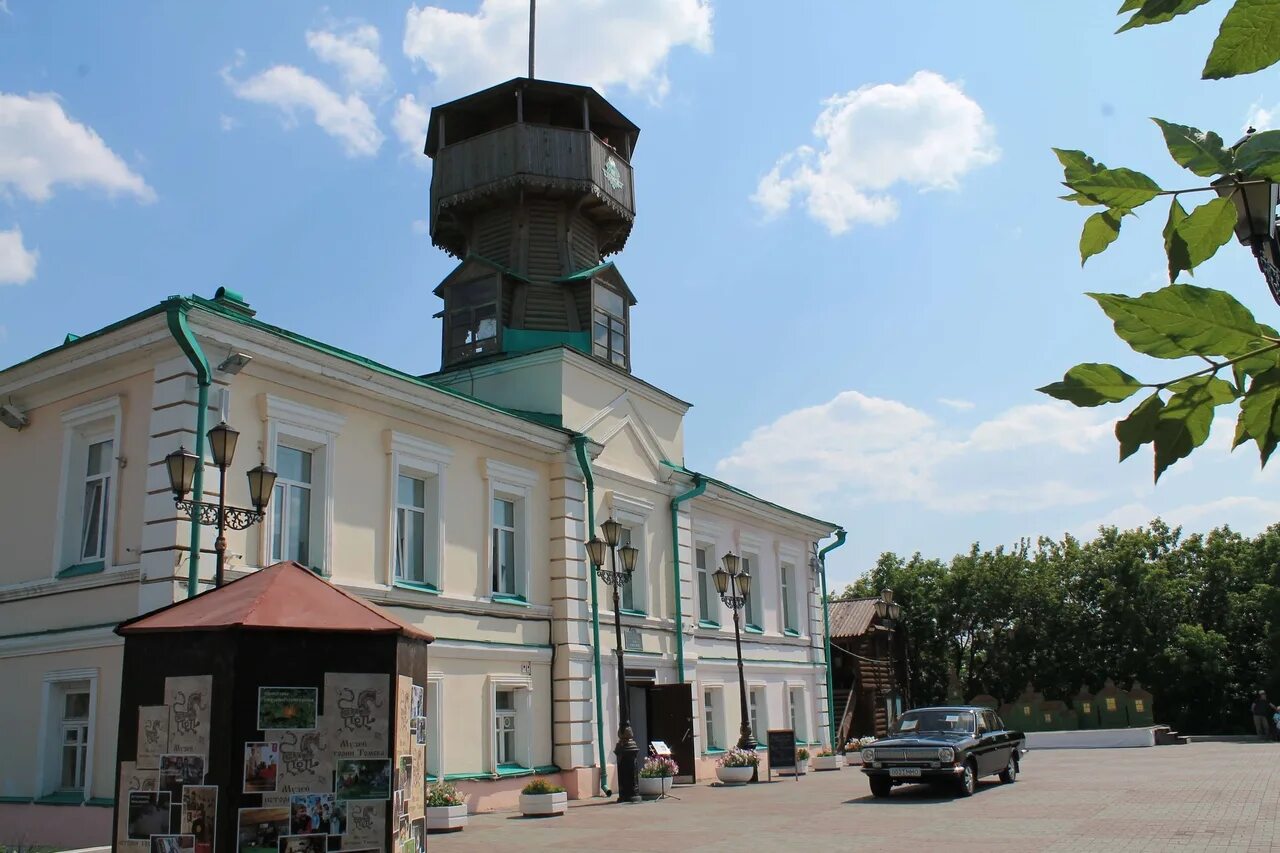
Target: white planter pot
column 447, row 817
column 827, row 762
column 734, row 775
column 544, row 804
column 853, row 758
column 802, row 766
column 656, row 786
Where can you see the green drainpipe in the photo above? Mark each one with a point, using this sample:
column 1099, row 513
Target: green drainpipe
column 177, row 316
column 826, row 635
column 580, row 445
column 699, row 486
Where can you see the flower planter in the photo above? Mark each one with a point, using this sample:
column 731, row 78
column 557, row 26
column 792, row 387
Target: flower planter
column 543, row 805
column 655, row 786
column 827, row 762
column 802, row 766
column 853, row 758
column 447, row 818
column 734, row 775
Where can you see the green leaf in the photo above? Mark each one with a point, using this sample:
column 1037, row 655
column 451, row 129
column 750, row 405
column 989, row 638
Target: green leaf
column 1140, row 427
column 1248, row 40
column 1093, row 385
column 1157, row 11
column 1259, row 156
column 1100, row 231
column 1183, row 424
column 1260, row 413
column 1182, row 320
column 1130, row 5
column 1242, row 433
column 1203, row 232
column 1174, row 246
column 1076, row 164
column 1122, row 188
column 1081, row 200
column 1194, row 149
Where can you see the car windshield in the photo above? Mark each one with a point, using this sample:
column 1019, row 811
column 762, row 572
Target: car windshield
column 940, row 720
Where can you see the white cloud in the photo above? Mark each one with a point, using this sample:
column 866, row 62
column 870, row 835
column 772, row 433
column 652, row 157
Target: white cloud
column 958, row 405
column 41, row 147
column 347, row 119
column 17, row 263
column 925, row 133
column 410, row 123
column 354, row 53
column 227, row 123
column 601, row 43
column 1246, row 514
column 1261, row 118
column 856, row 450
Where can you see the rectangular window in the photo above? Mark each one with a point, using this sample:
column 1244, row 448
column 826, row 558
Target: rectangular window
column 97, row 501
column 411, row 528
column 291, row 506
column 75, row 739
column 709, row 718
column 505, row 726
column 609, row 326
column 473, row 317
column 788, row 604
column 701, row 560
column 504, row 546
column 629, row 588
column 749, row 611
column 753, row 703
column 796, row 698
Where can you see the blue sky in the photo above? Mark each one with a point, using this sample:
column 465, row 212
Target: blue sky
column 861, row 333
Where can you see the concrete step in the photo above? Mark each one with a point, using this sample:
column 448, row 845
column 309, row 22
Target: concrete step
column 1223, row 739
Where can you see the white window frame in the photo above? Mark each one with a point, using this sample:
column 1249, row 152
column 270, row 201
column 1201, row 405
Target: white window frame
column 425, row 460
column 433, row 702
column 718, row 723
column 516, row 484
column 633, row 513
column 787, row 599
column 798, row 715
column 704, row 584
column 83, row 426
column 49, row 746
column 761, row 723
column 751, row 562
column 315, row 431
column 521, row 687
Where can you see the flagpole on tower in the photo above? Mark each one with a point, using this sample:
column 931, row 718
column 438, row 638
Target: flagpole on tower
column 533, row 10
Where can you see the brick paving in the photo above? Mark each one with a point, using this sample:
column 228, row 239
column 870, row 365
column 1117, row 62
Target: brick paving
column 1204, row 796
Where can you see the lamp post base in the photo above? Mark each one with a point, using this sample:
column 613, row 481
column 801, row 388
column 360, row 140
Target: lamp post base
column 748, row 742
column 628, row 755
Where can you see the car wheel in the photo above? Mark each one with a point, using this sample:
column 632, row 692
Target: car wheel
column 880, row 787
column 1009, row 775
column 968, row 780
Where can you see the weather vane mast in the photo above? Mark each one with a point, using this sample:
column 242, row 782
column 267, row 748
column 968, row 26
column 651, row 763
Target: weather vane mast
column 533, row 13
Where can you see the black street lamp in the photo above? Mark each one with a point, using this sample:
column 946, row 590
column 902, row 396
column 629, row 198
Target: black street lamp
column 734, row 585
column 627, row 750
column 182, row 470
column 889, row 611
column 1256, row 201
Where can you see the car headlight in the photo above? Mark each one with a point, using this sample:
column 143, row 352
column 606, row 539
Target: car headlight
column 946, row 754
column 868, row 754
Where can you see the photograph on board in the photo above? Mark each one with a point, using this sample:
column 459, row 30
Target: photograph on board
column 286, row 707
column 261, row 767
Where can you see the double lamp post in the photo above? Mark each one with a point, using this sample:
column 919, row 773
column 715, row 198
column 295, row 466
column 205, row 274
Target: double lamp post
column 181, row 465
column 733, row 582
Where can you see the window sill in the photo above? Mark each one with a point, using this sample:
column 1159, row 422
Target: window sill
column 707, row 623
column 753, row 629
column 82, row 569
column 430, row 589
column 61, row 799
column 791, row 632
column 626, row 611
column 714, row 750
column 504, row 598
column 505, row 771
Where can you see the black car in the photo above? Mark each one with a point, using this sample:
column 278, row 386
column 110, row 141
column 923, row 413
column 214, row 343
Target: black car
column 955, row 745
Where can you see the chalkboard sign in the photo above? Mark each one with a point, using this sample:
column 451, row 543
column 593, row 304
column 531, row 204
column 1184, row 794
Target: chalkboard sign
column 782, row 749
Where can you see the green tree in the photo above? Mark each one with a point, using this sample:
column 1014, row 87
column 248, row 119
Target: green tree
column 1240, row 357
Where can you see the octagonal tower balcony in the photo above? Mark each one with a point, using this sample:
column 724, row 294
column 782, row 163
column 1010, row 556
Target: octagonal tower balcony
column 524, row 139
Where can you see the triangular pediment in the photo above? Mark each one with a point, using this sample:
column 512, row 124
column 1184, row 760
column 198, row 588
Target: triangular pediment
column 471, row 266
column 630, row 444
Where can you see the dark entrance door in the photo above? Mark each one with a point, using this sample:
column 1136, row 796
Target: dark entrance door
column 671, row 721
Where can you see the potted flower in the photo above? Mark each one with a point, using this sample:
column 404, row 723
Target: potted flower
column 656, row 775
column 542, row 798
column 853, row 750
column 826, row 759
column 802, row 761
column 737, row 766
column 446, row 807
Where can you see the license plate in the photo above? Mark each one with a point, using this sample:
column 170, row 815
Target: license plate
column 900, row 772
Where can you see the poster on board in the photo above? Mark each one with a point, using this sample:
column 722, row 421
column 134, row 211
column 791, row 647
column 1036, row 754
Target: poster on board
column 357, row 714
column 187, row 698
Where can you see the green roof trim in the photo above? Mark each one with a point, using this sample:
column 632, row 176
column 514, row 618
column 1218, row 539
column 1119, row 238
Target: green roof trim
column 82, row 569
column 581, row 275
column 737, row 491
column 532, row 340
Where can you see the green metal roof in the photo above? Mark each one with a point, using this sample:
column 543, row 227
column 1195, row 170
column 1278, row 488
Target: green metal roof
column 587, row 273
column 737, row 491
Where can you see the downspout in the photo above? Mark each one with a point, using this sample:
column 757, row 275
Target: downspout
column 826, row 635
column 580, row 445
column 177, row 317
column 699, row 486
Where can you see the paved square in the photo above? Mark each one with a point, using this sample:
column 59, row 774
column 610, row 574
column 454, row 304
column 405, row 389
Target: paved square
column 1204, row 796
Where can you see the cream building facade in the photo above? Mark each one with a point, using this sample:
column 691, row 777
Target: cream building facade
column 460, row 500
